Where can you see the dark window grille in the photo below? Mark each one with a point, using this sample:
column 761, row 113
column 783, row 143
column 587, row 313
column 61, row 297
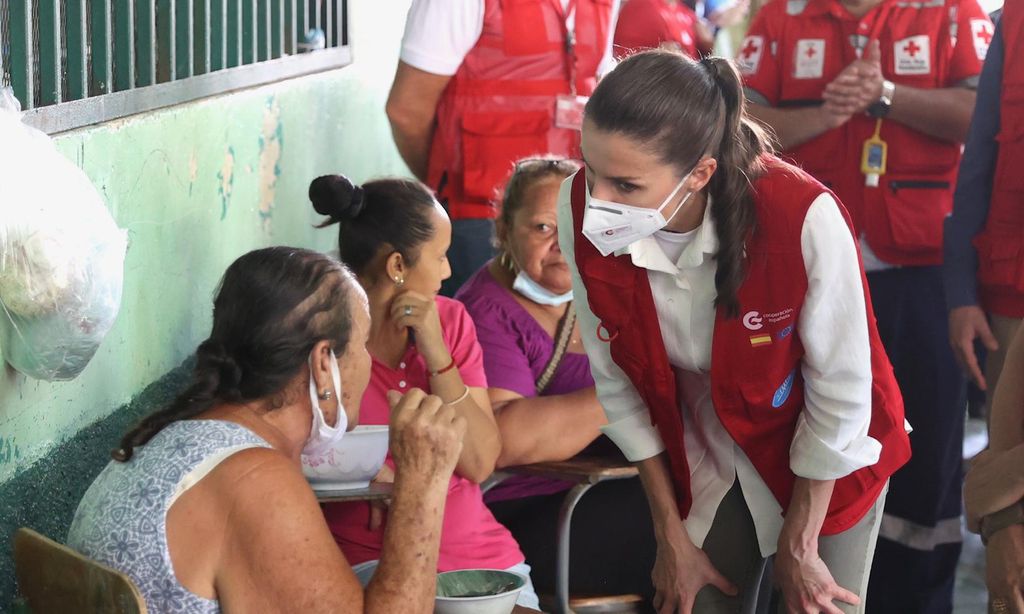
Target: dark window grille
column 77, row 62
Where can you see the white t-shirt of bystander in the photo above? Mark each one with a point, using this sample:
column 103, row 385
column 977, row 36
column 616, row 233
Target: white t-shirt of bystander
column 439, row 34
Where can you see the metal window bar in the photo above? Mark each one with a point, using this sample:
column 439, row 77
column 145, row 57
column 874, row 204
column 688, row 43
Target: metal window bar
column 5, row 61
column 76, row 62
column 30, row 58
column 293, row 28
column 108, row 48
column 207, row 37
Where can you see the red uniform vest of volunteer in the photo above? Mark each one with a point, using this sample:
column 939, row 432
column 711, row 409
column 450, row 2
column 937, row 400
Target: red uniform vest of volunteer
column 1001, row 245
column 799, row 46
column 646, row 24
column 756, row 384
column 500, row 105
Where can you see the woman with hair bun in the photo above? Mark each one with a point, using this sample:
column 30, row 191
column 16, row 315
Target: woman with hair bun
column 395, row 235
column 723, row 306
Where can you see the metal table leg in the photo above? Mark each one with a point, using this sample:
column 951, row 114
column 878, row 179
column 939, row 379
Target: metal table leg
column 564, row 524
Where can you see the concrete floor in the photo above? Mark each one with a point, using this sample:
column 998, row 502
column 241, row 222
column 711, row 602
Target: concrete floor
column 971, row 597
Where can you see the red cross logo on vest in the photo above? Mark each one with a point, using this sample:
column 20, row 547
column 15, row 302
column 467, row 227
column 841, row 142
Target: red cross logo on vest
column 981, row 33
column 750, row 54
column 810, row 58
column 912, row 56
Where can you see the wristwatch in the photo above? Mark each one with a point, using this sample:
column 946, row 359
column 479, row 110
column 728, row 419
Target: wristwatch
column 997, row 521
column 880, row 108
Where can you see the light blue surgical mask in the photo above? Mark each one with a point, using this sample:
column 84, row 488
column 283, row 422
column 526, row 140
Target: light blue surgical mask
column 525, row 285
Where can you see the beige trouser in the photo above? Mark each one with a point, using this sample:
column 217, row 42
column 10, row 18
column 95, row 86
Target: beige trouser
column 732, row 547
column 1003, row 328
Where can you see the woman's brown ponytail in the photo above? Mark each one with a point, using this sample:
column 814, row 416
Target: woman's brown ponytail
column 739, row 161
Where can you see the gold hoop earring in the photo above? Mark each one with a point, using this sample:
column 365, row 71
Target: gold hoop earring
column 505, row 260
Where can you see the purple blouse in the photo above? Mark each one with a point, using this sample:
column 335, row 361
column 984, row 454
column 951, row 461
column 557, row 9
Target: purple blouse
column 516, row 351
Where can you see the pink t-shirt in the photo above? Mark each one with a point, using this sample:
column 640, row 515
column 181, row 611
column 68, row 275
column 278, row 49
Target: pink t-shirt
column 470, row 536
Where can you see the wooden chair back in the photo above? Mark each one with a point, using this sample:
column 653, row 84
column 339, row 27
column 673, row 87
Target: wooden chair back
column 55, row 578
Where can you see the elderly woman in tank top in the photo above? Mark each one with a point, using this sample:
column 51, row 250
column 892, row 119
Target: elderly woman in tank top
column 205, row 506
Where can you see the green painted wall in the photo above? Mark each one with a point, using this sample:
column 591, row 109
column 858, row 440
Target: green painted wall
column 195, row 186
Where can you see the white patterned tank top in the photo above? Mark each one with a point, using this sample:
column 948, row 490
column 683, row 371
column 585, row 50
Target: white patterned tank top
column 121, row 521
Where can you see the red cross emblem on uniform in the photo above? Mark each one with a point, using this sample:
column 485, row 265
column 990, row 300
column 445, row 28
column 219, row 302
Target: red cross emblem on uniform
column 912, row 55
column 750, row 54
column 982, row 32
column 750, row 49
column 986, row 36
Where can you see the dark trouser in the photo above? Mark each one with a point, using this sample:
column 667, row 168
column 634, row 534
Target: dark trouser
column 612, row 543
column 920, row 537
column 472, row 246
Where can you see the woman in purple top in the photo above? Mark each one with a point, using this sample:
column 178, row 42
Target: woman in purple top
column 544, row 398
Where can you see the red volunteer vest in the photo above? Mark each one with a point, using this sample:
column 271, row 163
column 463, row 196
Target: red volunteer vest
column 500, row 105
column 646, row 24
column 902, row 217
column 1001, row 245
column 757, row 387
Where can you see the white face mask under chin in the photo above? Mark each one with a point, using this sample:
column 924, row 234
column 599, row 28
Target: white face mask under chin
column 610, row 226
column 525, row 285
column 323, row 436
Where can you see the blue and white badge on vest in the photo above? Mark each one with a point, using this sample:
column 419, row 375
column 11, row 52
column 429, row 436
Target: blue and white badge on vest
column 782, row 394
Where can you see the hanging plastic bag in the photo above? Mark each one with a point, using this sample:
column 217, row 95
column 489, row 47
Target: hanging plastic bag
column 61, row 255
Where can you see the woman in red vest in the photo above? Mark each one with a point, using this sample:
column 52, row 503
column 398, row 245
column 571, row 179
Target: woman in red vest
column 732, row 342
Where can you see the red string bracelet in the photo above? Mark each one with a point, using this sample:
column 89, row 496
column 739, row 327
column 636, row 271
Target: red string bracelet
column 450, row 366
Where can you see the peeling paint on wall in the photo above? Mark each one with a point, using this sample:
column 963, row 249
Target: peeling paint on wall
column 9, row 450
column 193, row 171
column 226, row 181
column 271, row 143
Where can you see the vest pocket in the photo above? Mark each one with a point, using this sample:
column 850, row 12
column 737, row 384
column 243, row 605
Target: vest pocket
column 777, row 397
column 915, row 209
column 492, row 142
column 1000, row 262
column 1010, row 162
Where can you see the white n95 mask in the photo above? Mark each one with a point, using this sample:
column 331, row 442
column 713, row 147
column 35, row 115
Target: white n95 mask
column 610, row 226
column 322, row 435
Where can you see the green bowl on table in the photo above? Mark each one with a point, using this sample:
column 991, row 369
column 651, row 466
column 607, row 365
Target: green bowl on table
column 477, row 591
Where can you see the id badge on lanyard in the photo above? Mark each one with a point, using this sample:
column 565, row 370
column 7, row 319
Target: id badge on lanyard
column 874, row 157
column 569, row 107
column 875, row 151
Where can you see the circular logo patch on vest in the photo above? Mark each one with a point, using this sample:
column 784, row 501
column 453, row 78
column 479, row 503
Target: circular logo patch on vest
column 782, row 394
column 752, row 320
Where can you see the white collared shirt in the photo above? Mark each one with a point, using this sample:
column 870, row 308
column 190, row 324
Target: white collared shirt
column 831, row 439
